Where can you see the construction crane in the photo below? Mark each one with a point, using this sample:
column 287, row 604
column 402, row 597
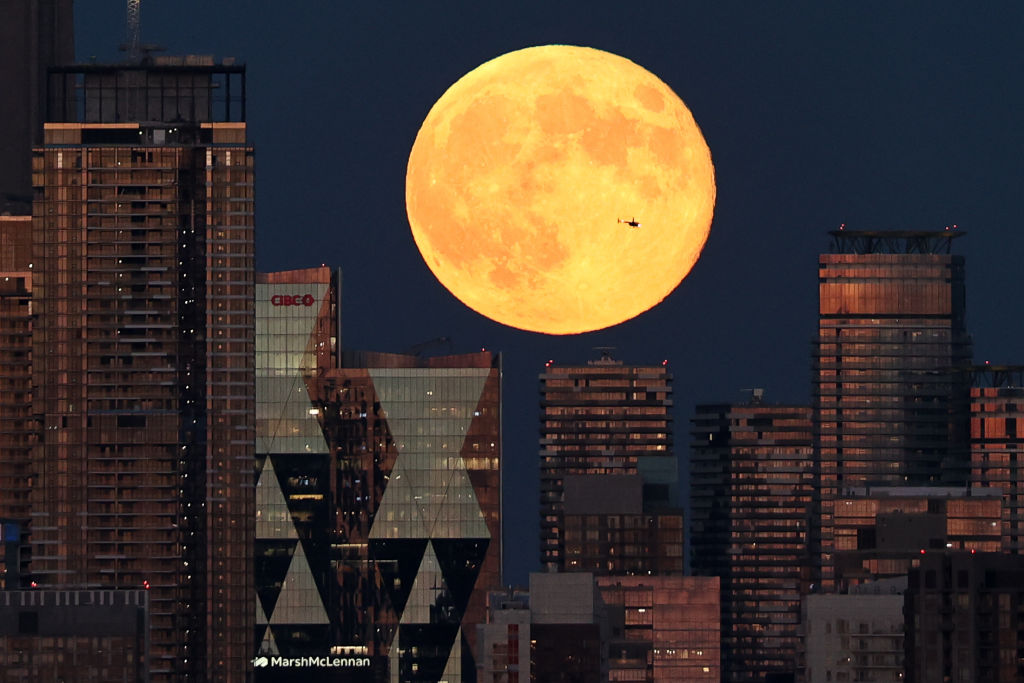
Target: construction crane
column 134, row 31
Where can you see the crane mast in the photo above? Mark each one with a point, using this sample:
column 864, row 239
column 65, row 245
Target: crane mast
column 134, row 39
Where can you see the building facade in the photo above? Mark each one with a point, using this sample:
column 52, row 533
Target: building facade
column 34, row 35
column 964, row 612
column 378, row 532
column 997, row 444
column 92, row 636
column 889, row 401
column 607, row 426
column 752, row 507
column 142, row 352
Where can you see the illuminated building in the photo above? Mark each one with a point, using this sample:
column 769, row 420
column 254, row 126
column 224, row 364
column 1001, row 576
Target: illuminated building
column 378, row 532
column 890, row 406
column 34, row 34
column 752, row 495
column 964, row 613
column 142, row 351
column 883, row 532
column 997, row 444
column 87, row 636
column 606, row 427
column 667, row 628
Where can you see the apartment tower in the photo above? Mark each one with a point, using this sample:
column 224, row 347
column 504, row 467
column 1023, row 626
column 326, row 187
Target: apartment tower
column 890, row 403
column 142, row 354
column 752, row 492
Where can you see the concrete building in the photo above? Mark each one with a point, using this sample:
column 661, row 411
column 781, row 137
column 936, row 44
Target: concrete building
column 883, row 532
column 94, row 636
column 608, row 426
column 997, row 444
column 964, row 615
column 752, row 506
column 890, row 405
column 857, row 636
column 142, row 351
column 34, row 35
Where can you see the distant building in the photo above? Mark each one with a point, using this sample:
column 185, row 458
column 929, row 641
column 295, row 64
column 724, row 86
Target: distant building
column 883, row 532
column 504, row 641
column 964, row 613
column 142, row 351
column 890, row 404
column 87, row 636
column 18, row 427
column 856, row 636
column 752, row 507
column 663, row 628
column 34, row 35
column 606, row 426
column 378, row 528
column 997, row 444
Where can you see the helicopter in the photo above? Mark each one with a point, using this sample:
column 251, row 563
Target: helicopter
column 632, row 222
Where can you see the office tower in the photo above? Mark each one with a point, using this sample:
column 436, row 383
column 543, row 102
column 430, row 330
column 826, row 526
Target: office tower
column 997, row 443
column 378, row 532
column 752, row 506
column 605, row 427
column 882, row 532
column 34, row 35
column 142, row 356
column 964, row 613
column 666, row 627
column 855, row 636
column 890, row 408
column 17, row 426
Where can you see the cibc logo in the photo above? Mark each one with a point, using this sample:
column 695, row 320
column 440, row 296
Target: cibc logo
column 292, row 300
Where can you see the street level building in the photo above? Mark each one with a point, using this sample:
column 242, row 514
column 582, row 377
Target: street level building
column 752, row 506
column 890, row 404
column 142, row 352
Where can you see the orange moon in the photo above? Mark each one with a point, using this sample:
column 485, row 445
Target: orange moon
column 528, row 176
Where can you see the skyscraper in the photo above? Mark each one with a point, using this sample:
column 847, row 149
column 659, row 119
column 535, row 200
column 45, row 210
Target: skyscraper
column 606, row 453
column 378, row 532
column 142, row 356
column 34, row 35
column 997, row 444
column 752, row 507
column 889, row 404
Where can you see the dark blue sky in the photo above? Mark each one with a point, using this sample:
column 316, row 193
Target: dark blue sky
column 876, row 115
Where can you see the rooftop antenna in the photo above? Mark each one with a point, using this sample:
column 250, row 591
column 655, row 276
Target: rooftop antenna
column 134, row 31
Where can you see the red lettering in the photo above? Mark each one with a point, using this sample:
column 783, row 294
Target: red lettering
column 292, row 300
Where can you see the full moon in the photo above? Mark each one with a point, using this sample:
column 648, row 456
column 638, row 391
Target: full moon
column 560, row 189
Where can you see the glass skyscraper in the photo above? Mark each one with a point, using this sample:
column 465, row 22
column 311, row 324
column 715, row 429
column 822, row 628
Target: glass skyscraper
column 378, row 497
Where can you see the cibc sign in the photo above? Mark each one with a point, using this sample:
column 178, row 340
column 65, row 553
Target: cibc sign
column 292, row 300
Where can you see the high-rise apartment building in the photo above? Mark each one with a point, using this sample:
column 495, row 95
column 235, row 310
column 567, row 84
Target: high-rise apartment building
column 34, row 35
column 997, row 444
column 142, row 353
column 607, row 427
column 752, row 507
column 17, row 427
column 889, row 403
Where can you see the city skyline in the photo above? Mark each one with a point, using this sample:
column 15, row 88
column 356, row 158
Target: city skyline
column 815, row 117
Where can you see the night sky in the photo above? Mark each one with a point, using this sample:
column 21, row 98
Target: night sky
column 877, row 115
